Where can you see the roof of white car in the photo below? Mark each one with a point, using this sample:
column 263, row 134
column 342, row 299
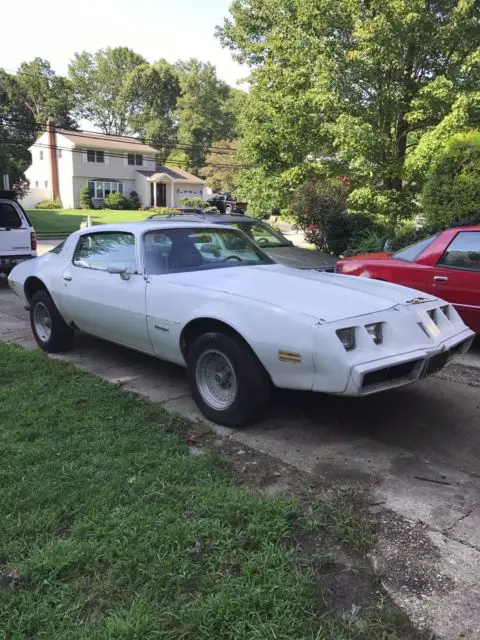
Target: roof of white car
column 148, row 225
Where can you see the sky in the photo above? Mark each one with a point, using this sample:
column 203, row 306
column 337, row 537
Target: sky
column 170, row 29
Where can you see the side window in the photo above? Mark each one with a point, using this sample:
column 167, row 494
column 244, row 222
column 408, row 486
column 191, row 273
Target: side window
column 102, row 250
column 9, row 218
column 157, row 247
column 463, row 252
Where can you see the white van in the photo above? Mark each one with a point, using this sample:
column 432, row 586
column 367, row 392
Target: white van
column 18, row 241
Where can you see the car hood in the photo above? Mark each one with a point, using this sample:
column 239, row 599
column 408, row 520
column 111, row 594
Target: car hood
column 324, row 296
column 301, row 258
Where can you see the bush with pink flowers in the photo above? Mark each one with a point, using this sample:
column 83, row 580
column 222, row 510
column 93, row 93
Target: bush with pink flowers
column 320, row 209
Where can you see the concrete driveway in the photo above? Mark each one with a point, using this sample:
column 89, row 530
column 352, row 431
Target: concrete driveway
column 415, row 453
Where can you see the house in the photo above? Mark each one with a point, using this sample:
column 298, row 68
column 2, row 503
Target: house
column 64, row 161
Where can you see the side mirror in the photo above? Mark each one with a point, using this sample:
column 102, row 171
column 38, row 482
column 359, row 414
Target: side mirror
column 120, row 270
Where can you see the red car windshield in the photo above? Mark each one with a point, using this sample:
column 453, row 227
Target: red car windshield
column 411, row 253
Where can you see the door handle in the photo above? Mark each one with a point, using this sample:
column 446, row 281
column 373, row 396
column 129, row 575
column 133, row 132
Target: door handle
column 440, row 279
column 67, row 277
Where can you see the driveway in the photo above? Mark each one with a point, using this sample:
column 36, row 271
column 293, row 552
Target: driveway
column 414, row 452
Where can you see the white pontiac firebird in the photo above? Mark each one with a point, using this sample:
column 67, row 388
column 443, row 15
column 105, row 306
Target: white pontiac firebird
column 207, row 298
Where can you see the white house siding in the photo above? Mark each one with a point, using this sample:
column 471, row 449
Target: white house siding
column 38, row 174
column 65, row 171
column 142, row 187
column 114, row 167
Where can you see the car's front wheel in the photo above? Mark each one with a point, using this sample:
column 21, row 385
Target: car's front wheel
column 50, row 330
column 227, row 381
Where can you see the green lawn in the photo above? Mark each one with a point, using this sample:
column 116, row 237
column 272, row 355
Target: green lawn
column 61, row 222
column 110, row 528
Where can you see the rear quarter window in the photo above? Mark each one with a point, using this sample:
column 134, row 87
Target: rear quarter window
column 9, row 216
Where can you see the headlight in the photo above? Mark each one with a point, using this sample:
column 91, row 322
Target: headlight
column 375, row 331
column 347, row 338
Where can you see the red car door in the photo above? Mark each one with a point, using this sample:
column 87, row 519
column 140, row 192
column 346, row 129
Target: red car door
column 456, row 274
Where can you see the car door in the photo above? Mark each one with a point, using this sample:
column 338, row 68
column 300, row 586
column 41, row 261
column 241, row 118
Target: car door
column 103, row 292
column 456, row 276
column 167, row 300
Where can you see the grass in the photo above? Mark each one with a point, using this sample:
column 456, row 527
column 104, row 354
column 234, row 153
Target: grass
column 61, row 222
column 110, row 528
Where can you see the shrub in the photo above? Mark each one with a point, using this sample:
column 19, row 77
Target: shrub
column 49, row 204
column 452, row 189
column 162, row 210
column 115, row 200
column 85, row 198
column 320, row 210
column 134, row 201
column 193, row 202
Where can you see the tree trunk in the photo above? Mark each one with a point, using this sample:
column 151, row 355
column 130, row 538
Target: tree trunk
column 400, row 152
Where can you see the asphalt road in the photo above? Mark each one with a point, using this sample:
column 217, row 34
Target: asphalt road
column 415, row 452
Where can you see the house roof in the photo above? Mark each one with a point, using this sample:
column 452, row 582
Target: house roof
column 177, row 174
column 92, row 140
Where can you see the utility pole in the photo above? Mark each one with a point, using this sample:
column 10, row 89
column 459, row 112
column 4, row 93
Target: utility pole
column 6, row 182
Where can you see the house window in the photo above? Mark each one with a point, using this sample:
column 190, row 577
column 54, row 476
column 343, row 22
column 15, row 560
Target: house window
column 46, row 184
column 41, row 155
column 95, row 156
column 59, row 153
column 36, row 184
column 100, row 189
column 135, row 159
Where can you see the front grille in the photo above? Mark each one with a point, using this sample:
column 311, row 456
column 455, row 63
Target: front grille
column 461, row 347
column 436, row 363
column 389, row 374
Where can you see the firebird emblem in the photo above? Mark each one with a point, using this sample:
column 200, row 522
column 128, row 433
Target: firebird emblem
column 416, row 301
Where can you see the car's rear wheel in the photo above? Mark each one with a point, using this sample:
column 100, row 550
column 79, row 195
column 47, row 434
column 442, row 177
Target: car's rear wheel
column 50, row 330
column 227, row 381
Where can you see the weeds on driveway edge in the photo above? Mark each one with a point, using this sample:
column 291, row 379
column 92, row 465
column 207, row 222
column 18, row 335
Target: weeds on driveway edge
column 110, row 528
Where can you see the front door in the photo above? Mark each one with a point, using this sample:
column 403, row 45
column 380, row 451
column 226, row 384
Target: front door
column 158, row 189
column 107, row 305
column 456, row 277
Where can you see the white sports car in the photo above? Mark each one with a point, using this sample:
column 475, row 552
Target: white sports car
column 236, row 320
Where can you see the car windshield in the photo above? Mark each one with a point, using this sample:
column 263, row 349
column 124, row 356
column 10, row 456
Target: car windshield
column 262, row 234
column 412, row 252
column 184, row 249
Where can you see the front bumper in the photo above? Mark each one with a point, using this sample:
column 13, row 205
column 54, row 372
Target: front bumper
column 400, row 370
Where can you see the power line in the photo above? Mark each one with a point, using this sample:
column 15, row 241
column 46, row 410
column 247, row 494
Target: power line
column 114, row 155
column 95, row 135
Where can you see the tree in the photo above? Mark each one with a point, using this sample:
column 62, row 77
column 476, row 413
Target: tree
column 45, row 94
column 151, row 92
column 221, row 166
column 204, row 110
column 17, row 130
column 354, row 81
column 452, row 188
column 100, row 85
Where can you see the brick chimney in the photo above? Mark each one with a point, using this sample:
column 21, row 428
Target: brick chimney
column 52, row 144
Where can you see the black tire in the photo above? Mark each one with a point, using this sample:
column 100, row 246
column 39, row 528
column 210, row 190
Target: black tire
column 61, row 335
column 252, row 382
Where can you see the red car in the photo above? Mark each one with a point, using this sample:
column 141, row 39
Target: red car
column 446, row 265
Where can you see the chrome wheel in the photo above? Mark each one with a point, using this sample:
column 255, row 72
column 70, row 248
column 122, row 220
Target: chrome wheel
column 42, row 322
column 216, row 379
